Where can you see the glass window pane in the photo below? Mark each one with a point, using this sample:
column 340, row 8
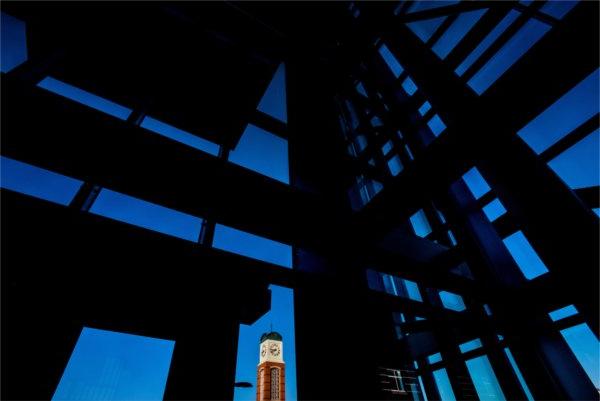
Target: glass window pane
column 579, row 166
column 376, row 121
column 476, row 183
column 456, row 31
column 494, row 209
column 262, row 152
column 361, row 89
column 452, row 301
column 562, row 313
column 409, row 86
column 420, row 224
column 395, row 165
column 566, row 114
column 180, row 136
column 557, row 8
column 451, row 237
column 424, row 29
column 436, row 125
column 390, row 60
column 444, row 387
column 253, row 246
column 484, row 379
column 423, row 5
column 37, row 182
column 408, row 152
column 412, row 290
column 434, row 358
column 470, row 345
column 425, row 107
column 509, row 54
column 422, row 388
column 106, row 365
column 83, row 97
column 387, row 148
column 525, row 256
column 274, row 102
column 586, row 348
column 519, row 375
column 13, row 42
column 137, row 212
column 487, row 42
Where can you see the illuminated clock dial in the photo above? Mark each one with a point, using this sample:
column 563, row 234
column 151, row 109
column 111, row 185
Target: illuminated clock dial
column 274, row 349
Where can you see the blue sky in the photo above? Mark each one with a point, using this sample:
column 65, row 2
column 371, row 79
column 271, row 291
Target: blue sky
column 281, row 316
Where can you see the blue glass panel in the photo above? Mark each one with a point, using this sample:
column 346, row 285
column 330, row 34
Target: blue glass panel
column 476, row 183
column 525, row 256
column 180, row 136
column 361, row 142
column 500, row 337
column 425, row 107
column 425, row 28
column 361, row 89
column 422, row 5
column 400, row 134
column 409, row 86
column 417, row 318
column 456, row 31
column 558, row 8
column 388, row 284
column 263, row 152
column 137, row 212
column 408, row 152
column 444, row 387
column 83, row 97
column 274, row 102
column 441, row 216
column 395, row 165
column 487, row 42
column 574, row 108
column 107, row 365
column 412, row 290
column 451, row 237
column 487, row 309
column 484, row 379
column 250, row 245
column 452, row 301
column 376, row 121
column 470, row 345
column 420, row 224
column 387, row 148
column 579, row 166
column 509, row 54
column 13, row 42
column 519, row 375
column 494, row 209
column 562, row 313
column 390, row 60
column 597, row 211
column 434, row 358
column 279, row 318
column 37, row 182
column 422, row 389
column 586, row 348
column 436, row 125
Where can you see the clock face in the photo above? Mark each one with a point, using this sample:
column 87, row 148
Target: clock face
column 274, row 349
column 263, row 351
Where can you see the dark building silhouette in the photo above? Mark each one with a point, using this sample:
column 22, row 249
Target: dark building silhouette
column 438, row 204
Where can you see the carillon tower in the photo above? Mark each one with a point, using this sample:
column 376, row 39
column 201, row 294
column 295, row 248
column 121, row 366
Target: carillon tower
column 270, row 379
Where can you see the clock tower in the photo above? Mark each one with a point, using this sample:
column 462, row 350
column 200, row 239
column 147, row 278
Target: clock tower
column 270, row 379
